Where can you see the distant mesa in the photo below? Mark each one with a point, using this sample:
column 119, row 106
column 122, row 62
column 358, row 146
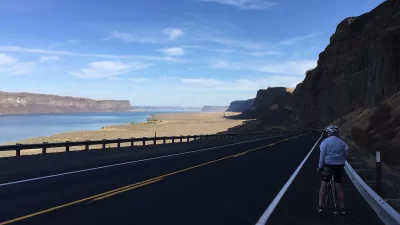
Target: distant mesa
column 208, row 108
column 240, row 105
column 271, row 105
column 28, row 103
column 167, row 108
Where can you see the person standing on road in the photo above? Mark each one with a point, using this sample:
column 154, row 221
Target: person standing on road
column 333, row 154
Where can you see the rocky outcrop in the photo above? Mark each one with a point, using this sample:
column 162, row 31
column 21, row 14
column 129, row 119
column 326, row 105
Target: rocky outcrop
column 214, row 108
column 240, row 106
column 271, row 106
column 24, row 103
column 359, row 68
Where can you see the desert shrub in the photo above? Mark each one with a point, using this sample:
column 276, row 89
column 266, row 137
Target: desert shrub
column 381, row 115
column 391, row 155
column 363, row 138
column 342, row 121
column 389, row 135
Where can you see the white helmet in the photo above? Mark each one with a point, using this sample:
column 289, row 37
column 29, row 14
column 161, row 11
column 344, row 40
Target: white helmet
column 332, row 129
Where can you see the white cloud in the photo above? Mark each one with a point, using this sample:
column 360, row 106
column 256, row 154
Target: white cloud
column 266, row 53
column 22, row 68
column 51, row 58
column 138, row 79
column 245, row 4
column 288, row 67
column 242, row 84
column 251, row 45
column 102, row 69
column 56, row 52
column 114, row 78
column 202, row 81
column 165, row 77
column 173, row 33
column 13, row 66
column 175, row 51
column 295, row 40
column 130, row 37
column 6, row 60
column 65, row 42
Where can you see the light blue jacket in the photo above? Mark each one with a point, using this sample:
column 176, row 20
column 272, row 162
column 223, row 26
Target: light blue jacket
column 333, row 151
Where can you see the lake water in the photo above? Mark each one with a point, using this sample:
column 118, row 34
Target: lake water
column 19, row 127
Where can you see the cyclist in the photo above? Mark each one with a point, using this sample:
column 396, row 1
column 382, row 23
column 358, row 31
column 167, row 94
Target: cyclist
column 333, row 154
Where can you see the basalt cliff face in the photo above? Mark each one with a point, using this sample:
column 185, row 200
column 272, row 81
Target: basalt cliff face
column 214, row 108
column 25, row 103
column 240, row 105
column 359, row 68
column 271, row 106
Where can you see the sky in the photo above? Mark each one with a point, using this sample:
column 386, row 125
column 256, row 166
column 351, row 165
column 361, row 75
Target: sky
column 164, row 52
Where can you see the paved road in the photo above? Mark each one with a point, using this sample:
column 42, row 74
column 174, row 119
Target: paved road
column 226, row 185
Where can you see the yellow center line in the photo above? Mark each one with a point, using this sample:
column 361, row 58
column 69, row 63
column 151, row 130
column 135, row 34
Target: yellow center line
column 127, row 189
column 136, row 185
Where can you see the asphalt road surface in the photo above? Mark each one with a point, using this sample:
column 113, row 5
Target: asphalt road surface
column 231, row 185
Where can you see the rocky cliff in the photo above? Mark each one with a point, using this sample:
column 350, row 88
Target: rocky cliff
column 240, row 106
column 359, row 68
column 23, row 103
column 271, row 106
column 214, row 108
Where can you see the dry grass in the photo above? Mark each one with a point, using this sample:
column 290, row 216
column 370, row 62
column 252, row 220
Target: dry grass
column 375, row 129
column 175, row 124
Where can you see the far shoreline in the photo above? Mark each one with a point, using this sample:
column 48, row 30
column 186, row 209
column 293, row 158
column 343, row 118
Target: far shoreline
column 20, row 134
column 162, row 124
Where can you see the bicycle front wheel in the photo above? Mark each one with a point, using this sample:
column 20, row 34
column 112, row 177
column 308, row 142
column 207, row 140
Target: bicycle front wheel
column 331, row 208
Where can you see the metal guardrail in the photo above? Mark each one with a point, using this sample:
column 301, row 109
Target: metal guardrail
column 385, row 212
column 44, row 146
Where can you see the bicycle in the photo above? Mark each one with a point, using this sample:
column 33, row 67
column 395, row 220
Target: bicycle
column 331, row 198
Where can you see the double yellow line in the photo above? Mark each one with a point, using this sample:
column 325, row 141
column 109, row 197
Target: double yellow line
column 139, row 184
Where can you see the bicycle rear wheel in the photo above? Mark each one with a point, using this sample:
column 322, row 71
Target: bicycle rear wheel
column 331, row 208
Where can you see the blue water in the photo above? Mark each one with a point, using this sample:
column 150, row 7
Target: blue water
column 19, row 127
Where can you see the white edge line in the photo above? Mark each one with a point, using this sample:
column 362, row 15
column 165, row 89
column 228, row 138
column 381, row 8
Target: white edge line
column 131, row 162
column 384, row 211
column 267, row 214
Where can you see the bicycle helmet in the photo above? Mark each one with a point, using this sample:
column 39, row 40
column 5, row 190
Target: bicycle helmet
column 332, row 129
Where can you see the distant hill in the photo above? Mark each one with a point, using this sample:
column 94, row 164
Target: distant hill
column 26, row 103
column 240, row 105
column 214, row 108
column 167, row 108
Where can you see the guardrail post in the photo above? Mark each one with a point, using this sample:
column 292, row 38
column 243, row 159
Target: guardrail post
column 67, row 146
column 87, row 145
column 144, row 141
column 154, row 141
column 44, row 149
column 132, row 142
column 18, row 150
column 119, row 143
column 180, row 138
column 173, row 140
column 104, row 144
column 164, row 140
column 379, row 174
column 188, row 138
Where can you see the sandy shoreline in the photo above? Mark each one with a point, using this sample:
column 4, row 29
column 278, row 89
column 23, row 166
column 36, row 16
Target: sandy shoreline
column 173, row 124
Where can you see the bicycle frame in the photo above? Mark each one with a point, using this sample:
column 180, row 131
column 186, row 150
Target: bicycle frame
column 331, row 199
column 332, row 188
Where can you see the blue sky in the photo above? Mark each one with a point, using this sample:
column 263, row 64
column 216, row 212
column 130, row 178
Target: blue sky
column 164, row 52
